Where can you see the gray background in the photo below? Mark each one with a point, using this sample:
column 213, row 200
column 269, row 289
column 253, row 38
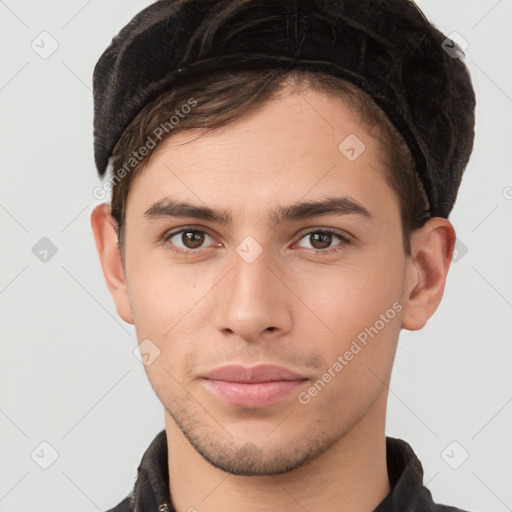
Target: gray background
column 68, row 374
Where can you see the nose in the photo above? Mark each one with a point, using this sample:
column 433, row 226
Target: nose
column 254, row 300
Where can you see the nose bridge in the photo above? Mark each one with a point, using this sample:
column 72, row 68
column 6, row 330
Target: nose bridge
column 252, row 297
column 251, row 273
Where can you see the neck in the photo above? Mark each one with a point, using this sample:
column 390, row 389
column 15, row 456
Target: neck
column 350, row 476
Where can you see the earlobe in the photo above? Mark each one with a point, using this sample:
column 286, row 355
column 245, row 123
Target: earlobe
column 104, row 230
column 432, row 248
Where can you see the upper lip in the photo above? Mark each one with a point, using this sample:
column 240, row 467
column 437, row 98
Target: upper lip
column 259, row 373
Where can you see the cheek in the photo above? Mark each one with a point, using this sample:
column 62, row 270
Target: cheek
column 349, row 297
column 169, row 304
column 364, row 323
column 357, row 318
column 160, row 292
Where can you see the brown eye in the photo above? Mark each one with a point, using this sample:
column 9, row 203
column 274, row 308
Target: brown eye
column 321, row 240
column 192, row 239
column 186, row 240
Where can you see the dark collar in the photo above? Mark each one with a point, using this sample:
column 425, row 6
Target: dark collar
column 151, row 491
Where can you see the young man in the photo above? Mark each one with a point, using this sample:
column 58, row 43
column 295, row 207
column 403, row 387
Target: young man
column 281, row 175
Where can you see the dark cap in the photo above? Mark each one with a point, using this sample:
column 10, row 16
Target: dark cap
column 385, row 47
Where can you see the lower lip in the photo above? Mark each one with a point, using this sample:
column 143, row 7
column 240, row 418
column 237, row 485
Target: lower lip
column 253, row 395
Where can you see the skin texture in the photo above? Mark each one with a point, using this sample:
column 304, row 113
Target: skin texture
column 212, row 307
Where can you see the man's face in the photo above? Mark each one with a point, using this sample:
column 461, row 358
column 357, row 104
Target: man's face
column 255, row 292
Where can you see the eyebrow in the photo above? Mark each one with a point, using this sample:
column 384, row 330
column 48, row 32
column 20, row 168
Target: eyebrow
column 343, row 205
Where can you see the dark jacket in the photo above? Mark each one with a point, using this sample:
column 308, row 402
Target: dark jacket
column 408, row 494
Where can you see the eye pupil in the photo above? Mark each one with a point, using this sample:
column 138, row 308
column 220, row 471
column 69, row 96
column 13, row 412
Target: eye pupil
column 192, row 239
column 324, row 239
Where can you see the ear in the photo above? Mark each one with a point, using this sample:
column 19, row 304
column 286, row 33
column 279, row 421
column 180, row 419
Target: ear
column 105, row 236
column 431, row 254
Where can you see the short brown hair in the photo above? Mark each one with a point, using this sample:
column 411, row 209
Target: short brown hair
column 225, row 96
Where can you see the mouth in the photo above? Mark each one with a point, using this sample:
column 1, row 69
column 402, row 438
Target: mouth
column 253, row 387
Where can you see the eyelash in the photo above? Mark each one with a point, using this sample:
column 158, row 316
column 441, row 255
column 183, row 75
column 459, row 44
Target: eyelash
column 345, row 239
